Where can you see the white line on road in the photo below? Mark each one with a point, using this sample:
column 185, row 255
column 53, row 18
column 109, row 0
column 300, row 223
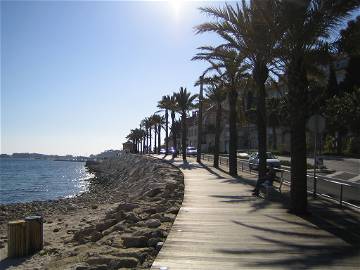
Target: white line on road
column 354, row 179
column 335, row 174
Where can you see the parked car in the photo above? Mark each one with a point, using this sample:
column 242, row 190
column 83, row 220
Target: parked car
column 242, row 155
column 172, row 150
column 162, row 151
column 191, row 151
column 271, row 161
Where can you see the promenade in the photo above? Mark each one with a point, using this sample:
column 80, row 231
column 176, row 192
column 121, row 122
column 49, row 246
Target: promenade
column 222, row 226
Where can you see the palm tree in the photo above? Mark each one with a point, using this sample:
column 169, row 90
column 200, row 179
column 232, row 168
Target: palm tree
column 174, row 130
column 308, row 24
column 184, row 101
column 217, row 94
column 230, row 69
column 165, row 104
column 157, row 121
column 252, row 30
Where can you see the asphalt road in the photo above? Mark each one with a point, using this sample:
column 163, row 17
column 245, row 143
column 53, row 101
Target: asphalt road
column 347, row 169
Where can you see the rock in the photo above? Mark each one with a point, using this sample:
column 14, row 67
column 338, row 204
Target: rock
column 153, row 192
column 127, row 206
column 56, row 229
column 132, row 217
column 168, row 218
column 125, row 262
column 117, row 227
column 157, row 216
column 173, row 210
column 95, row 236
column 130, row 241
column 152, row 242
column 94, row 206
column 152, row 223
column 159, row 245
column 105, row 224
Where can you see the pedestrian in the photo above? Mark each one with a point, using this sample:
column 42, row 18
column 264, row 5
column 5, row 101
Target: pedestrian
column 269, row 177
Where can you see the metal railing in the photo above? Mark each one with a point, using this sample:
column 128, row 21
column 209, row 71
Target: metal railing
column 321, row 185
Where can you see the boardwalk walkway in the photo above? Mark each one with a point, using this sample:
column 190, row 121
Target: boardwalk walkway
column 222, row 226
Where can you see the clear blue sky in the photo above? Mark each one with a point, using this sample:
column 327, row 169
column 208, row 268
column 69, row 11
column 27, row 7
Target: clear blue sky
column 77, row 76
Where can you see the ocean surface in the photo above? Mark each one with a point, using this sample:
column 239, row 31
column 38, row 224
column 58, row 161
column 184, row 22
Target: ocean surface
column 26, row 180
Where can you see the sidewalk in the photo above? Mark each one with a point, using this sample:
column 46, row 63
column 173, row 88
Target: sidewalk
column 222, row 226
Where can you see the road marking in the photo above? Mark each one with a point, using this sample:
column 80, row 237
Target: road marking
column 355, row 179
column 335, row 174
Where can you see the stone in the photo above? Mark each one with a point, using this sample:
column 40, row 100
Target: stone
column 126, row 262
column 105, row 224
column 152, row 242
column 56, row 229
column 94, row 206
column 153, row 192
column 95, row 236
column 130, row 241
column 152, row 223
column 173, row 210
column 159, row 245
column 132, row 217
column 127, row 206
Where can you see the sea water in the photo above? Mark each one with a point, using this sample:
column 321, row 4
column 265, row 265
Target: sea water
column 26, row 180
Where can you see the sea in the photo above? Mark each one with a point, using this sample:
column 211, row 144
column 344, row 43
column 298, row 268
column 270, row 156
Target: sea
column 26, row 180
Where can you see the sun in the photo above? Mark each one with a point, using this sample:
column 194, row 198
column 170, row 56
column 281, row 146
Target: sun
column 176, row 6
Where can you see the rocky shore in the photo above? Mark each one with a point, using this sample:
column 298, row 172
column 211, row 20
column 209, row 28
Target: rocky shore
column 121, row 222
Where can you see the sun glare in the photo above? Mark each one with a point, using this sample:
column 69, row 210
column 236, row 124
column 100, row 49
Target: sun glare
column 176, row 6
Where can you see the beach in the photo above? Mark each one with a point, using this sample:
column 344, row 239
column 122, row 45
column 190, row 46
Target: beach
column 121, row 222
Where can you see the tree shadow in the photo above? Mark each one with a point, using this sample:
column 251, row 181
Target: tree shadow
column 301, row 250
column 12, row 262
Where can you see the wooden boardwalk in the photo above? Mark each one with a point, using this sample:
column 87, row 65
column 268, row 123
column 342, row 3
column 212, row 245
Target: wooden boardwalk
column 222, row 226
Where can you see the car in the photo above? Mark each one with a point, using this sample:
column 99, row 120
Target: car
column 191, row 151
column 172, row 150
column 271, row 161
column 162, row 151
column 242, row 155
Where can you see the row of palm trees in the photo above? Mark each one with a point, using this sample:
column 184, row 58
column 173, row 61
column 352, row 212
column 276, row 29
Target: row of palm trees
column 263, row 41
column 179, row 102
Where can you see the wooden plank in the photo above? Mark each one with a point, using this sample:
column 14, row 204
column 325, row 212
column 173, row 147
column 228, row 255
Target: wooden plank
column 222, row 226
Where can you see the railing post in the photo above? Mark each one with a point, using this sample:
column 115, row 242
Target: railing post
column 341, row 194
column 315, row 185
column 242, row 166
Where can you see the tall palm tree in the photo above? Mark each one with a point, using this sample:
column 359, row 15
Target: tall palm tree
column 174, row 130
column 251, row 29
column 230, row 70
column 165, row 104
column 217, row 94
column 308, row 23
column 184, row 101
column 157, row 121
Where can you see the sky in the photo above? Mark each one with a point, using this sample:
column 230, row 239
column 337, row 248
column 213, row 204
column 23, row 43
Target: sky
column 77, row 76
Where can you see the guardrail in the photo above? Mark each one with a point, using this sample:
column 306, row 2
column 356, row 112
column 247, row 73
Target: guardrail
column 321, row 185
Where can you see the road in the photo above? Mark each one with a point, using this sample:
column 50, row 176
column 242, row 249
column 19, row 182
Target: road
column 346, row 168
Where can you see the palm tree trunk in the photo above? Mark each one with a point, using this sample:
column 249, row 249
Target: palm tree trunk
column 233, row 132
column 155, row 134
column 150, row 140
column 260, row 76
column 166, row 131
column 159, row 138
column 200, row 119
column 274, row 137
column 183, row 137
column 147, row 141
column 297, row 108
column 173, row 133
column 217, row 135
column 143, row 145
